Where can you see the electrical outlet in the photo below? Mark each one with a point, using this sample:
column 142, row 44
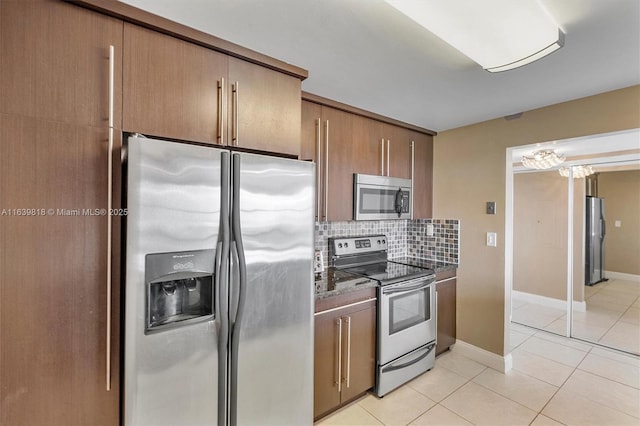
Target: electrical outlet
column 492, row 239
column 429, row 230
column 318, row 262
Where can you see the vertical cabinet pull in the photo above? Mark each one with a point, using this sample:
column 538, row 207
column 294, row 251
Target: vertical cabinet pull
column 326, row 171
column 235, row 132
column 436, row 315
column 318, row 167
column 348, row 368
column 382, row 157
column 388, row 143
column 413, row 169
column 339, row 380
column 109, row 207
column 221, row 115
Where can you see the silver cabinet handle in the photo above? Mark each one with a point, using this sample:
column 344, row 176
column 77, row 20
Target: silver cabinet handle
column 318, row 167
column 436, row 315
column 220, row 127
column 109, row 207
column 235, row 136
column 339, row 381
column 326, row 171
column 348, row 319
column 413, row 170
column 382, row 157
column 388, row 143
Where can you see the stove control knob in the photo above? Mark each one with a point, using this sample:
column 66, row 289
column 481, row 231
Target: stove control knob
column 339, row 245
column 383, row 241
column 346, row 245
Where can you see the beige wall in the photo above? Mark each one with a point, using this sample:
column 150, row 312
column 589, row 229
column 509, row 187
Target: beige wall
column 469, row 169
column 540, row 235
column 621, row 191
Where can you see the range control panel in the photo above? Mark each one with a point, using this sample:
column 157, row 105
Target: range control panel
column 357, row 245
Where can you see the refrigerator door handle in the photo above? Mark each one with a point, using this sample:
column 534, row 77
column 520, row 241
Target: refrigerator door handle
column 604, row 228
column 222, row 286
column 242, row 289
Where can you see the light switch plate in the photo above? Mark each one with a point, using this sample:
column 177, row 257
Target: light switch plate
column 491, row 207
column 492, row 239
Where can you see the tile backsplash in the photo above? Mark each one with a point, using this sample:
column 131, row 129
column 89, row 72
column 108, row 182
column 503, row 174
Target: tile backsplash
column 405, row 237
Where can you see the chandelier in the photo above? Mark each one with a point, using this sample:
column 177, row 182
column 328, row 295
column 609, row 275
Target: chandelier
column 543, row 159
column 578, row 171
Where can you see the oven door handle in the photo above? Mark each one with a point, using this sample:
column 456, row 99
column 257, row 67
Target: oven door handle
column 401, row 289
column 409, row 363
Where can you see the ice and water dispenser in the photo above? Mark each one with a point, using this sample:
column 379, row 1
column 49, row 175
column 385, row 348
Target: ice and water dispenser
column 179, row 289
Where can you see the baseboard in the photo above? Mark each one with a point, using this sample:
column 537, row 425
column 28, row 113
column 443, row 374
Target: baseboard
column 621, row 276
column 495, row 361
column 548, row 301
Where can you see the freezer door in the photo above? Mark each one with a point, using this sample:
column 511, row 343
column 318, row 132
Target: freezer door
column 272, row 337
column 173, row 201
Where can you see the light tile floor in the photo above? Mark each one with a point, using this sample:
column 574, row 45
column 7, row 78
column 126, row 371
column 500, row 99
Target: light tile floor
column 612, row 316
column 554, row 381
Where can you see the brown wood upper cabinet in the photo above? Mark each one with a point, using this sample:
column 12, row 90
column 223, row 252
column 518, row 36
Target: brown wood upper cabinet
column 422, row 177
column 343, row 143
column 396, row 143
column 177, row 89
column 55, row 62
column 326, row 139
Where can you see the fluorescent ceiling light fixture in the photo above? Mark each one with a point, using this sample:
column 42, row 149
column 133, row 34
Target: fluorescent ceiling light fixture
column 543, row 159
column 578, row 171
column 497, row 34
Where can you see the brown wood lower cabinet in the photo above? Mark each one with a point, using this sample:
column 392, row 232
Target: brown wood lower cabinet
column 345, row 350
column 446, row 293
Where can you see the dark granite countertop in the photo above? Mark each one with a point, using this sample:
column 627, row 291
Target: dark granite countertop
column 334, row 282
column 425, row 263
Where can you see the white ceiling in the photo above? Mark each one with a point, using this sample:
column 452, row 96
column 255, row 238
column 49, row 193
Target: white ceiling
column 366, row 54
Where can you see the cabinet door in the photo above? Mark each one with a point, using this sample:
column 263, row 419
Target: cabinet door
column 422, row 176
column 311, row 148
column 446, row 314
column 359, row 336
column 367, row 146
column 337, row 132
column 55, row 62
column 53, row 267
column 325, row 372
column 171, row 87
column 398, row 152
column 264, row 108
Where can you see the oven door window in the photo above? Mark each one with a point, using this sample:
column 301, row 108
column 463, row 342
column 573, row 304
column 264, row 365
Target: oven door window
column 409, row 309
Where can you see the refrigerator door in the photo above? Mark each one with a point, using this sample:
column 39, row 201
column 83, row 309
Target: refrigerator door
column 271, row 291
column 594, row 247
column 173, row 201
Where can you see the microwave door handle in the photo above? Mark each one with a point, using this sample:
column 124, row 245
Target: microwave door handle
column 399, row 203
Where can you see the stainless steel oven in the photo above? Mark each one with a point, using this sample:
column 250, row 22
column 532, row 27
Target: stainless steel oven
column 406, row 315
column 406, row 332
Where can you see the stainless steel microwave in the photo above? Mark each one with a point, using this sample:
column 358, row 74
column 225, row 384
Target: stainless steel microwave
column 381, row 197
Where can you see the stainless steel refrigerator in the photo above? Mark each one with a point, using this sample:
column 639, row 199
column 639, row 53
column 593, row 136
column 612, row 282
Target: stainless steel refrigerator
column 594, row 243
column 218, row 296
